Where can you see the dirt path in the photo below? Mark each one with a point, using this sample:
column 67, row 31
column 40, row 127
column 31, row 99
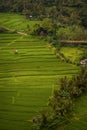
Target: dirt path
column 19, row 32
column 74, row 41
column 22, row 33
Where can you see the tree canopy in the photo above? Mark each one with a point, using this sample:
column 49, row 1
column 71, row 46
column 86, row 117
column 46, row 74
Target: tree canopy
column 65, row 11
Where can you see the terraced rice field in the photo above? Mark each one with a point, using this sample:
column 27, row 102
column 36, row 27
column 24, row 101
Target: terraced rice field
column 79, row 121
column 74, row 54
column 27, row 79
column 16, row 21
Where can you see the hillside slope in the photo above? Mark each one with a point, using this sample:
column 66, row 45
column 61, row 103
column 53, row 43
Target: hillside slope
column 27, row 79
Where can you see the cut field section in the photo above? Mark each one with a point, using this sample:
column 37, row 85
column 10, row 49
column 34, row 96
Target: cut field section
column 27, row 79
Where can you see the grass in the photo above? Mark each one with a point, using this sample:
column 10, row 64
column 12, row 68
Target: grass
column 79, row 121
column 27, row 79
column 72, row 53
column 16, row 21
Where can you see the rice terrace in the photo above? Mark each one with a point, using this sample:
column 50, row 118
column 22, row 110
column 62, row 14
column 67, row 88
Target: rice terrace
column 30, row 70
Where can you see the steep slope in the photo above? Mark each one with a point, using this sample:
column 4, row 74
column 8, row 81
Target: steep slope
column 27, row 79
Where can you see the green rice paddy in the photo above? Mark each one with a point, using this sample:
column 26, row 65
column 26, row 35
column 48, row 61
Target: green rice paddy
column 74, row 54
column 16, row 21
column 27, row 79
column 79, row 121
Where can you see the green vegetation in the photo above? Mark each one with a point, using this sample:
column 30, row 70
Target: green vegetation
column 20, row 23
column 32, row 61
column 72, row 32
column 79, row 116
column 73, row 54
column 62, row 104
column 16, row 22
column 27, row 79
column 67, row 12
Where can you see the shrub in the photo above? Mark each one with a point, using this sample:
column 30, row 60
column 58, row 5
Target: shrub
column 72, row 33
column 62, row 101
column 46, row 27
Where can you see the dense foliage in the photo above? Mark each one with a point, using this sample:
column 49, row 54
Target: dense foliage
column 67, row 12
column 62, row 101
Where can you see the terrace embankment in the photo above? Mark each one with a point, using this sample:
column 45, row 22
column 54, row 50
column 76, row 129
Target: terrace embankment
column 27, row 79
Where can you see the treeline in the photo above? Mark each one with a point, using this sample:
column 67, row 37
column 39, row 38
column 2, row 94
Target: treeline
column 61, row 103
column 67, row 12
